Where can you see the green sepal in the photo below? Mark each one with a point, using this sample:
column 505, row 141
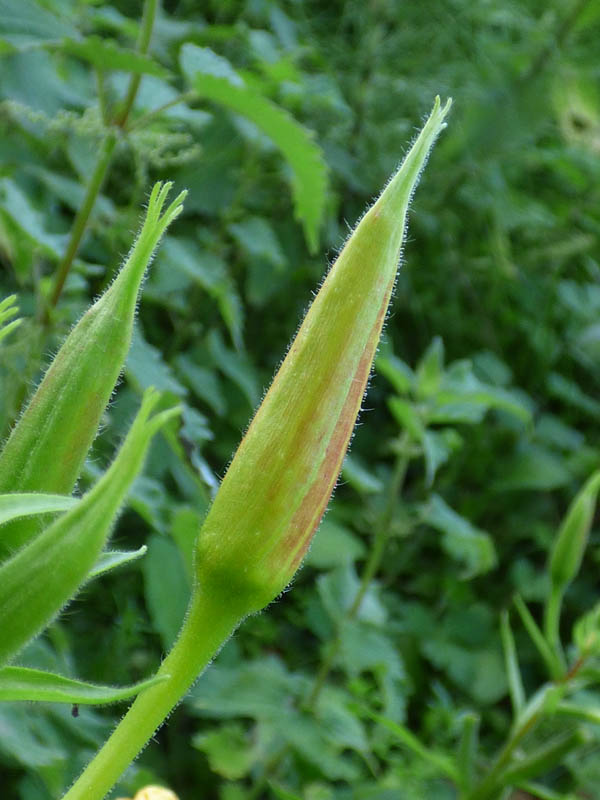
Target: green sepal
column 23, row 683
column 15, row 506
column 47, row 447
column 44, row 575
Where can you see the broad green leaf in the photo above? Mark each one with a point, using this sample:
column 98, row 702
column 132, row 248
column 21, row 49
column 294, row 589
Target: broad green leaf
column 430, row 369
column 237, row 368
column 13, row 506
column 229, row 750
column 111, row 559
column 44, row 575
column 107, row 55
column 213, row 77
column 145, row 367
column 461, row 540
column 23, row 683
column 334, row 545
column 398, row 373
column 26, row 220
column 166, row 587
column 359, row 477
column 259, row 239
column 533, row 467
column 440, row 761
column 23, row 22
column 194, row 264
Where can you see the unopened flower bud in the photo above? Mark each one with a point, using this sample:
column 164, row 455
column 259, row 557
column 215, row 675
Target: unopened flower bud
column 279, row 483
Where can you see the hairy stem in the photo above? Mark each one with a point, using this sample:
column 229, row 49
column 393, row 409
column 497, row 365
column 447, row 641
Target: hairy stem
column 83, row 215
column 143, row 45
column 207, row 626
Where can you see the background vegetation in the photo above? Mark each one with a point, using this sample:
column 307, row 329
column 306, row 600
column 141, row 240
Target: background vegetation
column 483, row 416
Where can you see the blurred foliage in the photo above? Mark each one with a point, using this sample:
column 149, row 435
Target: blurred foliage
column 283, row 118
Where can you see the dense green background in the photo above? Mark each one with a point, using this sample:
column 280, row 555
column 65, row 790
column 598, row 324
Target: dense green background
column 487, row 383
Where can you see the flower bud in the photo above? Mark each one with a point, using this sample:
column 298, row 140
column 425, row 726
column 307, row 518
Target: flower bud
column 281, row 478
column 572, row 537
column 48, row 446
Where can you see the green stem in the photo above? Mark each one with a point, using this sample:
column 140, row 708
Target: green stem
column 558, row 39
column 143, row 45
column 371, row 567
column 184, row 97
column 207, row 626
column 83, row 215
column 552, row 620
column 489, row 785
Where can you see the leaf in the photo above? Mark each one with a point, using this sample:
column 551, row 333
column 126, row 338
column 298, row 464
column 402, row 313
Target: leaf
column 228, row 750
column 430, row 369
column 23, row 683
column 236, row 367
column 334, row 545
column 107, row 55
column 8, row 309
column 13, row 506
column 533, row 467
column 462, row 540
column 258, row 238
column 44, row 574
column 398, row 373
column 145, row 367
column 359, row 477
column 440, row 761
column 111, row 559
column 213, row 77
column 166, row 585
column 23, row 22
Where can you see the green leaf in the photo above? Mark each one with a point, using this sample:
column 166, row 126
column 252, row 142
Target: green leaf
column 430, row 369
column 258, row 238
column 513, row 672
column 107, row 55
column 167, row 588
column 438, row 760
column 44, row 574
column 13, row 506
column 111, row 559
column 228, row 750
column 7, row 310
column 334, row 545
column 533, row 467
column 23, row 683
column 145, row 367
column 398, row 373
column 214, row 78
column 23, row 22
column 462, row 540
column 360, row 478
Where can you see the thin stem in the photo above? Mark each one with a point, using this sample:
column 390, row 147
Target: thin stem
column 489, row 785
column 83, row 215
column 184, row 97
column 143, row 45
column 552, row 621
column 563, row 31
column 371, row 567
column 207, row 626
column 103, row 102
